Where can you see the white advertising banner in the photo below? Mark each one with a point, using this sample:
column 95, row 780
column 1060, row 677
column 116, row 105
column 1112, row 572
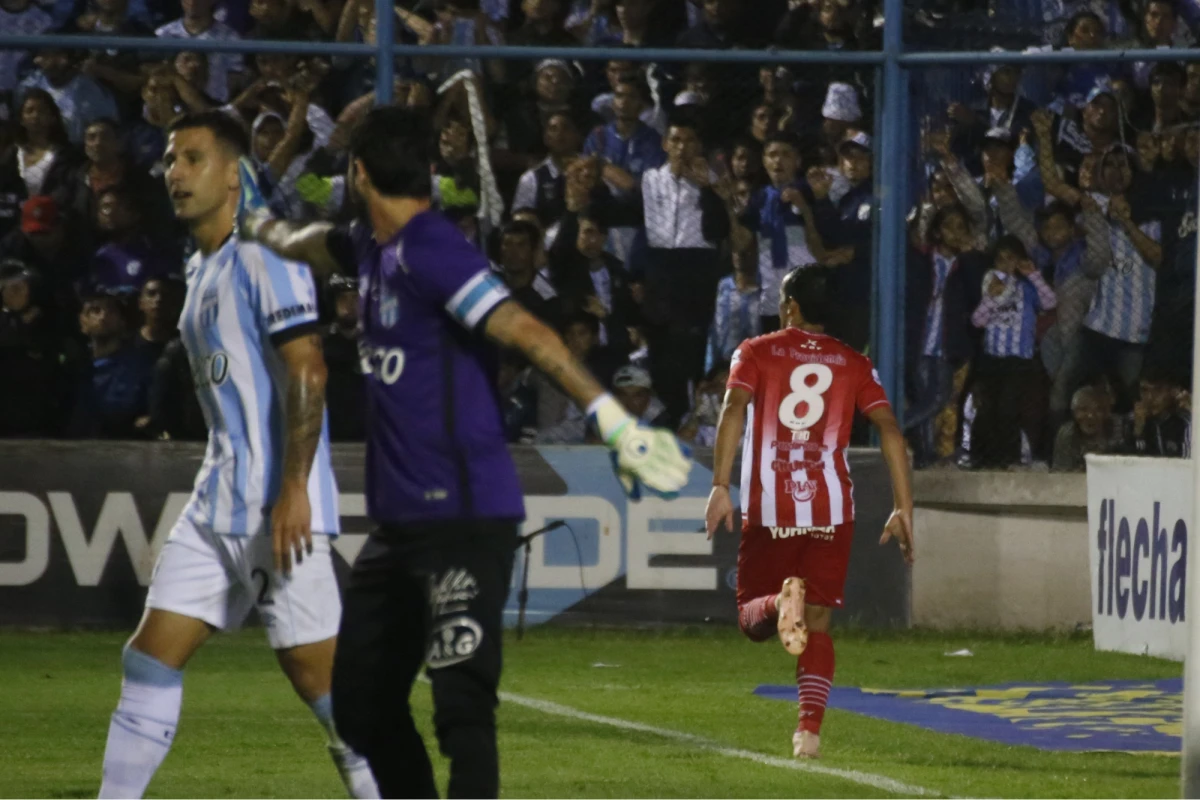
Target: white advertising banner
column 1138, row 513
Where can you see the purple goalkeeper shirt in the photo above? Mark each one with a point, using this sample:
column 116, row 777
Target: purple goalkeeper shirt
column 436, row 447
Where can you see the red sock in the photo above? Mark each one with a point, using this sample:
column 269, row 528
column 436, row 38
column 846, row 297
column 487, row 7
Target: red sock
column 814, row 676
column 757, row 618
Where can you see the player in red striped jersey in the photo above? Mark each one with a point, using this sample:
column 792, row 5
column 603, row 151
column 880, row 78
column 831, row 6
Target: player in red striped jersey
column 797, row 390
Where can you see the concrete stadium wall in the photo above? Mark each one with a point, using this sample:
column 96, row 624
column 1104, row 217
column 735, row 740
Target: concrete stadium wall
column 1001, row 550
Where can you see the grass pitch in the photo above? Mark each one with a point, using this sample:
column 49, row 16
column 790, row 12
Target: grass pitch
column 244, row 734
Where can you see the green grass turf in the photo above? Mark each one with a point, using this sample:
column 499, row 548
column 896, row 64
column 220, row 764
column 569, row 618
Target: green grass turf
column 243, row 733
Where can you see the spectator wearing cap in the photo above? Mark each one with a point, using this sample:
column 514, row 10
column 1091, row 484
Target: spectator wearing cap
column 737, row 314
column 519, row 243
column 527, row 115
column 634, row 390
column 1003, row 107
column 591, row 281
column 80, row 98
column 43, row 156
column 44, row 244
column 112, row 387
column 30, row 356
column 160, row 303
column 840, row 111
column 129, row 257
column 345, row 391
column 199, row 22
column 19, row 18
column 845, row 222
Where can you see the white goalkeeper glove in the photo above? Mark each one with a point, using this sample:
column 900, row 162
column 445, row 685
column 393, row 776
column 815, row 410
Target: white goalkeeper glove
column 252, row 209
column 641, row 454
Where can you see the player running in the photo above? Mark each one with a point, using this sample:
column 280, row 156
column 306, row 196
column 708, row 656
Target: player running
column 265, row 492
column 430, row 584
column 796, row 390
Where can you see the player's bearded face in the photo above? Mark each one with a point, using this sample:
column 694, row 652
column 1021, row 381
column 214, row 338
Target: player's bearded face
column 201, row 175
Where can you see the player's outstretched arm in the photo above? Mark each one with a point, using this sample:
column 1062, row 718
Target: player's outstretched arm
column 307, row 244
column 291, row 518
column 651, row 456
column 895, row 454
column 729, row 429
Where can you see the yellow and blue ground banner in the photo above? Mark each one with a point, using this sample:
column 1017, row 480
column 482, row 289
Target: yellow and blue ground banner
column 1125, row 716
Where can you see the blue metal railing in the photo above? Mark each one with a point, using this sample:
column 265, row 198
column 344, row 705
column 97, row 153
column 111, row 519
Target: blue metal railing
column 894, row 123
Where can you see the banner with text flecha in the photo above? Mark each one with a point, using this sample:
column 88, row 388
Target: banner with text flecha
column 82, row 522
column 1139, row 510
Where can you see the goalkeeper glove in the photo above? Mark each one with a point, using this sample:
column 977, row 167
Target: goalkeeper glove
column 252, row 210
column 641, row 454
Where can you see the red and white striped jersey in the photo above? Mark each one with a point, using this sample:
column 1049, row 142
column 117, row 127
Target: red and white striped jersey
column 806, row 387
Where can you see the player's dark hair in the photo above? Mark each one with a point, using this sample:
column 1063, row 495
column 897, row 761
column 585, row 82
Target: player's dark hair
column 522, row 228
column 812, row 289
column 227, row 130
column 394, row 145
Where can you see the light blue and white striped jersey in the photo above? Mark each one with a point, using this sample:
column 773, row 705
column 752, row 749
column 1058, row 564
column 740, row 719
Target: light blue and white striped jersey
column 241, row 301
column 1009, row 320
column 1124, row 302
column 931, row 344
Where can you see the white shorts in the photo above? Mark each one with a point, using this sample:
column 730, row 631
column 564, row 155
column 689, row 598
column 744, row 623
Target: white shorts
column 217, row 579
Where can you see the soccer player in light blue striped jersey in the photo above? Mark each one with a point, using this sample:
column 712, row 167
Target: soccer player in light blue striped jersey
column 256, row 531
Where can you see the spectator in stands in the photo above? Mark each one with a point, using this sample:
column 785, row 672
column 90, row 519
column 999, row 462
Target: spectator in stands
column 1007, row 375
column 456, row 175
column 699, row 427
column 738, row 309
column 1159, row 426
column 560, row 421
column 944, row 286
column 199, row 22
column 843, row 227
column 772, row 216
column 130, row 256
column 345, row 389
column 1003, row 108
column 175, row 411
column 44, row 243
column 79, row 98
column 30, row 355
column 160, row 303
column 745, row 160
column 1092, row 429
column 107, row 166
column 543, row 188
column 43, row 155
column 18, row 18
column 519, row 242
column 1160, row 28
column 617, row 72
column 516, row 382
column 627, row 145
column 591, row 281
column 633, row 389
column 840, row 113
column 112, row 386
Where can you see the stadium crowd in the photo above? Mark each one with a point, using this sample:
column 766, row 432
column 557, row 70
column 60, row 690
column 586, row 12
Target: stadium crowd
column 648, row 211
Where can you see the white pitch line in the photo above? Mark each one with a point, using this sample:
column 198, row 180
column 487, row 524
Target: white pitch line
column 881, row 782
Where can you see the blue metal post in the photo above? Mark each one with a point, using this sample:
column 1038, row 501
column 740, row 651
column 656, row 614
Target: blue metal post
column 891, row 247
column 385, row 43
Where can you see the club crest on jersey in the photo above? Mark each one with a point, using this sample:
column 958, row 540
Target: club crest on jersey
column 208, row 309
column 802, row 491
column 389, row 309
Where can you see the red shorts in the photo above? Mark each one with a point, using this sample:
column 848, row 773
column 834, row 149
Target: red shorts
column 820, row 556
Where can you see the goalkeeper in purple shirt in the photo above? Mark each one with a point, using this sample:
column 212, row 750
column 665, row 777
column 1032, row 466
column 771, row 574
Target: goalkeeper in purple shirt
column 429, row 586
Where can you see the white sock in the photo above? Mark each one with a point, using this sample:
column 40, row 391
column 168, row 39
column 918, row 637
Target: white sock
column 143, row 726
column 353, row 768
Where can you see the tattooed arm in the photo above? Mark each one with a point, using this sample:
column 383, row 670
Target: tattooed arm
column 291, row 518
column 512, row 326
